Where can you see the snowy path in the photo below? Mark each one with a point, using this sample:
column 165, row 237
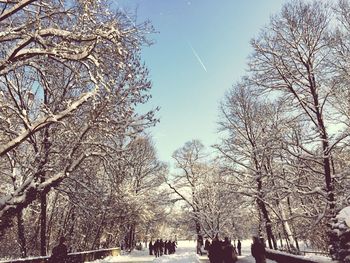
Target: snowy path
column 185, row 253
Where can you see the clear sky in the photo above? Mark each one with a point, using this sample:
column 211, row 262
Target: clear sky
column 200, row 51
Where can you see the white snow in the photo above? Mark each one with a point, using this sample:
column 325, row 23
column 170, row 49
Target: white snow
column 345, row 215
column 185, row 253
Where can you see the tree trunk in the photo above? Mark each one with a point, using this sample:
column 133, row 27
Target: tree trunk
column 99, row 231
column 285, row 224
column 43, row 201
column 270, row 237
column 325, row 143
column 21, row 234
column 50, row 219
column 281, row 242
column 287, row 229
column 262, row 207
column 328, row 178
column 129, row 238
column 43, row 206
column 199, row 236
column 292, row 224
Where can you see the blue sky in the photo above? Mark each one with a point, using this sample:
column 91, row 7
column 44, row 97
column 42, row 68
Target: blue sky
column 200, row 51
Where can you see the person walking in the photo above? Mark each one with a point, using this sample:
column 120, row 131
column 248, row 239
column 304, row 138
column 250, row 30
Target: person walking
column 150, row 247
column 239, row 247
column 173, row 247
column 166, row 247
column 215, row 251
column 161, row 247
column 156, row 248
column 228, row 251
column 258, row 251
column 199, row 244
column 59, row 252
column 206, row 244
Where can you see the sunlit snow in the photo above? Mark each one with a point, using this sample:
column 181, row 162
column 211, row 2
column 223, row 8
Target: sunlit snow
column 345, row 214
column 185, row 253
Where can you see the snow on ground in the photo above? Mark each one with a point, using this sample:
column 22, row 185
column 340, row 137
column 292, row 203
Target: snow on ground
column 185, row 253
column 134, row 256
column 345, row 215
column 319, row 258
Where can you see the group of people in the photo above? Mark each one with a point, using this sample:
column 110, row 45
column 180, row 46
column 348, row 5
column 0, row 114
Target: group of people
column 160, row 247
column 219, row 251
column 222, row 251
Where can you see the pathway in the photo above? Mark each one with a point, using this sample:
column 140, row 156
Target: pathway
column 185, row 253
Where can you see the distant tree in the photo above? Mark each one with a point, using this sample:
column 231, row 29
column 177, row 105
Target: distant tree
column 190, row 161
column 145, row 176
column 219, row 205
column 248, row 147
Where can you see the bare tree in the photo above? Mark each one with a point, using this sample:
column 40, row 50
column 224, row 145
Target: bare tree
column 145, row 175
column 248, row 147
column 290, row 57
column 193, row 169
column 219, row 205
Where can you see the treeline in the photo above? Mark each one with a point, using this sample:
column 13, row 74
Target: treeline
column 282, row 164
column 287, row 121
column 75, row 160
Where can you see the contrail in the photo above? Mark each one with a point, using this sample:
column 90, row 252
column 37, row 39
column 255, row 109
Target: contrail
column 198, row 58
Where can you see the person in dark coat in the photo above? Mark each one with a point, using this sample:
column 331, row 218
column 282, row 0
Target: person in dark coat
column 156, row 248
column 215, row 251
column 206, row 244
column 239, row 247
column 258, row 251
column 173, row 247
column 150, row 247
column 161, row 247
column 229, row 252
column 166, row 248
column 59, row 252
column 199, row 244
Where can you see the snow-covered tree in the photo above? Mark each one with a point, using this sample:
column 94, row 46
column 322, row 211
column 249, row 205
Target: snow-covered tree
column 144, row 178
column 70, row 77
column 290, row 57
column 248, row 147
column 220, row 207
column 190, row 160
column 340, row 225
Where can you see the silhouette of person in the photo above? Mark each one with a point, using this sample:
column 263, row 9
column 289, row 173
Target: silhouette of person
column 258, row 251
column 59, row 252
column 215, row 251
column 150, row 247
column 206, row 244
column 239, row 247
